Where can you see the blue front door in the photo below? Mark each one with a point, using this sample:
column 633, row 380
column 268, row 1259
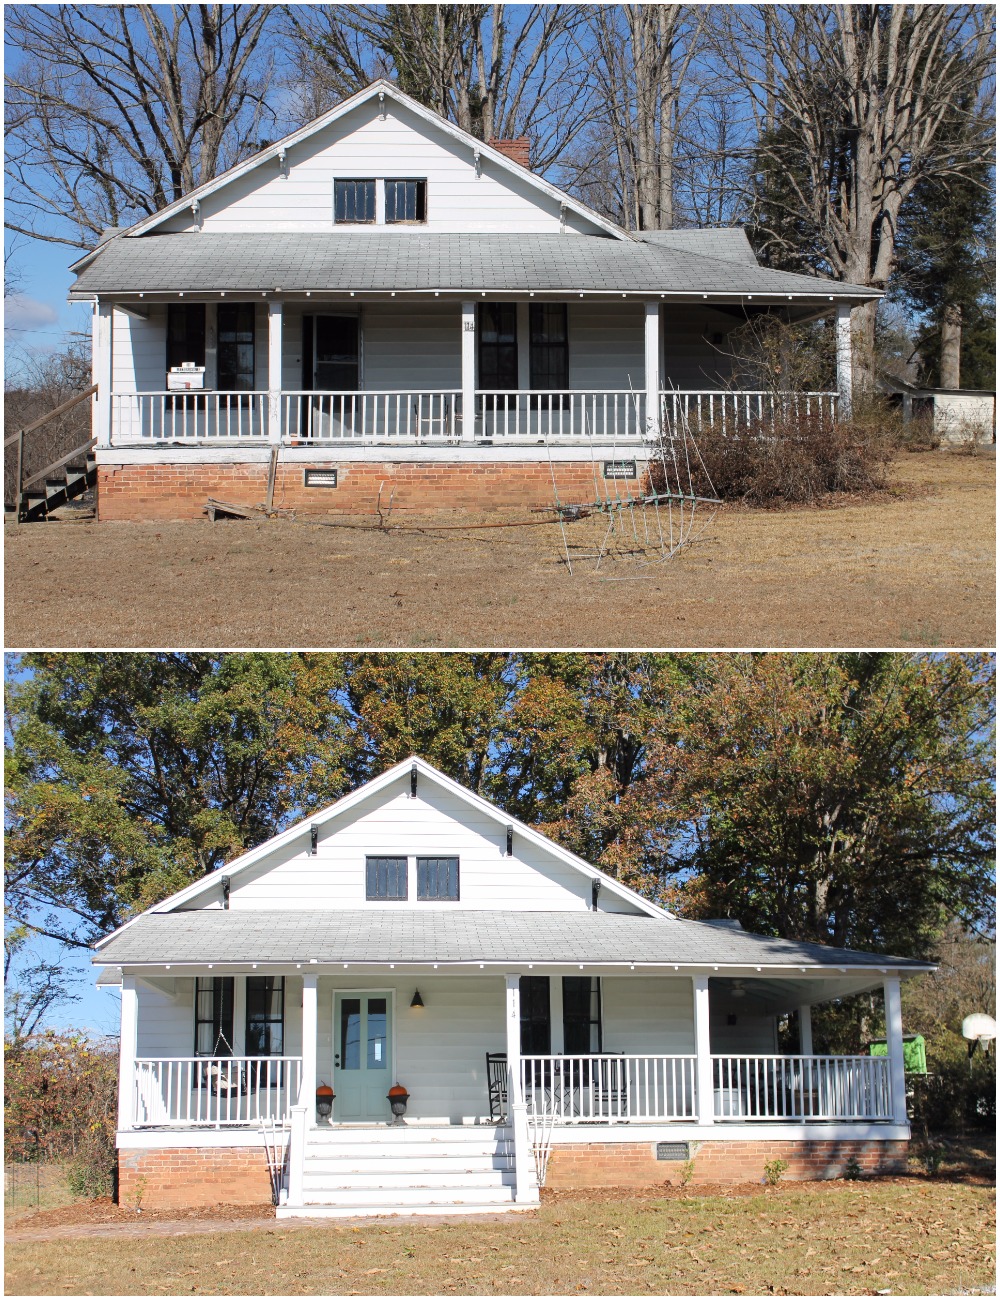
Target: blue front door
column 362, row 1039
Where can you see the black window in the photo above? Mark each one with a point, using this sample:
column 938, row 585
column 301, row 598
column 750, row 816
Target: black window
column 386, row 879
column 236, row 369
column 581, row 1015
column 536, row 1025
column 497, row 345
column 405, row 201
column 437, row 878
column 265, row 1034
column 213, row 1015
column 548, row 337
column 185, row 334
column 354, row 201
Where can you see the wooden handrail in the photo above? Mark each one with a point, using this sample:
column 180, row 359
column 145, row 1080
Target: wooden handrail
column 66, row 406
column 58, row 464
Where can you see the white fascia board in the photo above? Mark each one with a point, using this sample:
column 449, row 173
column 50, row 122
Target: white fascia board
column 355, row 797
column 389, row 91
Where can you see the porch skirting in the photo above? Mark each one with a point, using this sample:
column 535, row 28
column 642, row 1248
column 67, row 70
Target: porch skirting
column 174, row 1178
column 634, row 1164
column 178, row 490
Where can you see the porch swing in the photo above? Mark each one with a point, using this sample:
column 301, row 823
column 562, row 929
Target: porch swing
column 222, row 1080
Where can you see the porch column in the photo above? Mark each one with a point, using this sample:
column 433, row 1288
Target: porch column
column 518, row 1110
column 274, row 341
column 468, row 371
column 845, row 367
column 126, row 1058
column 652, row 368
column 894, row 1046
column 310, row 1029
column 102, row 329
column 705, row 1094
column 805, row 1030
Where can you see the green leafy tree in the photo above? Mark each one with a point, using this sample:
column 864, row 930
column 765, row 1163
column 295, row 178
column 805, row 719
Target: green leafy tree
column 836, row 798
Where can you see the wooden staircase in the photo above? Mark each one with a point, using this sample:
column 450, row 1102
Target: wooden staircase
column 69, row 477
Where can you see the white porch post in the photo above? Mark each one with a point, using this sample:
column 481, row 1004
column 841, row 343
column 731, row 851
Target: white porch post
column 102, row 329
column 805, row 1030
column 523, row 1189
column 296, row 1154
column 705, row 1094
column 652, row 368
column 275, row 314
column 894, row 1046
column 845, row 366
column 468, row 371
column 126, row 1059
column 310, row 1029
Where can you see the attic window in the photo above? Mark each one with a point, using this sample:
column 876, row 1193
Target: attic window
column 437, row 880
column 354, row 201
column 385, row 880
column 405, row 200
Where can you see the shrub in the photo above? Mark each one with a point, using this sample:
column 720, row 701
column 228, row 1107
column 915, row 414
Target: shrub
column 852, row 1170
column 773, row 1170
column 793, row 461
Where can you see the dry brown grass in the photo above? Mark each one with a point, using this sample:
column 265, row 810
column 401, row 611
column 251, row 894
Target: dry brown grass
column 902, row 1237
column 911, row 568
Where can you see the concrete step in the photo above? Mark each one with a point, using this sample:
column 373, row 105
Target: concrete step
column 387, row 1134
column 409, row 1151
column 394, row 1182
column 401, row 1197
column 344, row 1210
column 388, row 1166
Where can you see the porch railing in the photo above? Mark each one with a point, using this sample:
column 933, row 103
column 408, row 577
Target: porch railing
column 188, row 417
column 605, row 414
column 211, row 1092
column 408, row 417
column 734, row 411
column 609, row 1089
column 801, row 1088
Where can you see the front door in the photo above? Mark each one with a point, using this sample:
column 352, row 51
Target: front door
column 362, row 1038
column 336, row 369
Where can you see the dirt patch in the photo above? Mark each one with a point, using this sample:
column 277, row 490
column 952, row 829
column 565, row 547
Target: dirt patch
column 911, row 568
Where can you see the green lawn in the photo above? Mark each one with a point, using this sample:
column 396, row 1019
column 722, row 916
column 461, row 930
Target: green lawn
column 905, row 1238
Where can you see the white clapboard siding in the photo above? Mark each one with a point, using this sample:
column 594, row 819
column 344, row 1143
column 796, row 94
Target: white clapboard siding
column 645, row 1014
column 165, row 1023
column 412, row 347
column 361, row 144
column 691, row 360
column 606, row 345
column 751, row 1033
column 435, row 824
column 139, row 352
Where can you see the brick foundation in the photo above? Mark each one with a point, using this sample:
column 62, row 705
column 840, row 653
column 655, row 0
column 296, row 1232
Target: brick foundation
column 180, row 1177
column 179, row 491
column 634, row 1164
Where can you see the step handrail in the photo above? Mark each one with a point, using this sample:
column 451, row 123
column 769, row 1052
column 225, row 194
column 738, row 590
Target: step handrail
column 19, row 437
column 58, row 464
column 50, row 415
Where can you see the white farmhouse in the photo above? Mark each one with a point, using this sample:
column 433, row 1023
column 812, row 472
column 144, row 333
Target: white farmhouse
column 385, row 299
column 414, row 934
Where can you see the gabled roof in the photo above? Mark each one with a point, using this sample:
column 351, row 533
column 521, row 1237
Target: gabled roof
column 728, row 243
column 425, row 772
column 372, row 936
column 382, row 262
column 382, row 89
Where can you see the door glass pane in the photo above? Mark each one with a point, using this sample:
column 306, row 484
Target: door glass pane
column 376, row 1034
column 350, row 1033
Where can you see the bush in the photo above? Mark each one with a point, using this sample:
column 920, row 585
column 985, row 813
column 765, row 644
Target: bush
column 794, row 461
column 773, row 1169
column 60, row 1102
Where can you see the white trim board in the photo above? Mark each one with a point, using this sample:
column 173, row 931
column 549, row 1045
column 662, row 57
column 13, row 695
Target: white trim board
column 390, row 454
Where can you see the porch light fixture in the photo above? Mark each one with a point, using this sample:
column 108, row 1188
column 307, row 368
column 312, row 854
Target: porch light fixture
column 738, row 990
column 416, row 1001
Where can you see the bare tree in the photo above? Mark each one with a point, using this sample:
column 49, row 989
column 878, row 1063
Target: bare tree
column 116, row 110
column 476, row 65
column 850, row 101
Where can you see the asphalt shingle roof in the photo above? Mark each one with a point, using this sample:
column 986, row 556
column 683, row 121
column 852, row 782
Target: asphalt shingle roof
column 385, row 935
column 381, row 261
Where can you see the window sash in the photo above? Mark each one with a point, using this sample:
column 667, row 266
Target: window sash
column 354, row 201
column 405, row 200
column 548, row 343
column 265, row 1015
column 213, row 1015
column 497, row 345
column 236, row 358
column 536, row 1019
column 185, row 334
column 582, row 1028
column 437, row 879
column 385, row 880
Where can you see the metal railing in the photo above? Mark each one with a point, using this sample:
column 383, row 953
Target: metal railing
column 211, row 1092
column 801, row 1088
column 605, row 414
column 609, row 1088
column 188, row 417
column 733, row 412
column 408, row 417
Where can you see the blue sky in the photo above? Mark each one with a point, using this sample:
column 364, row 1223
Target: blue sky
column 37, row 317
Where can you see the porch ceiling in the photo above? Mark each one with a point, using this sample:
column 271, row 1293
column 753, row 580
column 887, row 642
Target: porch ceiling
column 384, row 262
column 372, row 935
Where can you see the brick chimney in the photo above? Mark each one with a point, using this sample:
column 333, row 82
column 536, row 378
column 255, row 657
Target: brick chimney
column 518, row 150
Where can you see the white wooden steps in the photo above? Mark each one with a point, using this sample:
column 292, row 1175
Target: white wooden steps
column 354, row 1171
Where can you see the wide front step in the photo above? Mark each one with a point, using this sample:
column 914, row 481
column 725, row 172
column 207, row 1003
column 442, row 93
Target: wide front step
column 368, row 1196
column 339, row 1180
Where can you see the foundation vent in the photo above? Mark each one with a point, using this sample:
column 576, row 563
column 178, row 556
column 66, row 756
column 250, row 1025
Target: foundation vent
column 320, row 478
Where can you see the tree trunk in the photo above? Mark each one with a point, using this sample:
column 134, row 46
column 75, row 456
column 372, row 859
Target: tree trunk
column 951, row 345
